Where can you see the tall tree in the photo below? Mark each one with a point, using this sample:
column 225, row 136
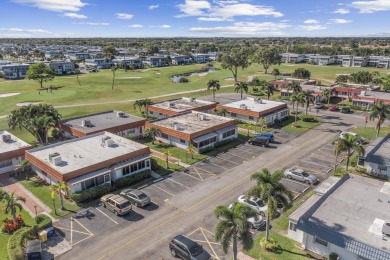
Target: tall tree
column 40, row 73
column 240, row 87
column 326, row 94
column 295, row 86
column 138, row 103
column 151, row 133
column 233, row 226
column 267, row 57
column 308, row 99
column 275, row 73
column 146, row 102
column 109, row 52
column 77, row 72
column 340, row 79
column 348, row 143
column 36, row 119
column 386, row 84
column 269, row 189
column 167, row 154
column 59, row 188
column 113, row 70
column 235, row 59
column 191, row 150
column 299, row 100
column 270, row 89
column 11, row 202
column 381, row 112
column 361, row 77
column 301, row 73
column 221, row 112
column 214, row 86
column 23, row 167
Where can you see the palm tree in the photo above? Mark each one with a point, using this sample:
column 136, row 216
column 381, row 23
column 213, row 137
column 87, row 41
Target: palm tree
column 234, row 226
column 275, row 73
column 294, row 86
column 297, row 98
column 77, row 72
column 146, row 102
column 151, row 133
column 347, row 143
column 214, row 86
column 240, row 87
column 113, row 70
column 326, row 93
column 269, row 189
column 380, row 111
column 59, row 188
column 270, row 89
column 221, row 112
column 191, row 150
column 138, row 103
column 11, row 202
column 167, row 153
column 24, row 167
column 308, row 98
column 261, row 124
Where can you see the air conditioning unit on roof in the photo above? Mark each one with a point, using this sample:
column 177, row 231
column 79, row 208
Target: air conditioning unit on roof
column 6, row 138
column 120, row 114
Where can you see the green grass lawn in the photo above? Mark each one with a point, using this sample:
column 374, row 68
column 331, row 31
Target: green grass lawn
column 288, row 249
column 370, row 132
column 281, row 223
column 161, row 167
column 28, row 220
column 43, row 193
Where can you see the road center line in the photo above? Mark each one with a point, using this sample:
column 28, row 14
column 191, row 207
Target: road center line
column 107, row 216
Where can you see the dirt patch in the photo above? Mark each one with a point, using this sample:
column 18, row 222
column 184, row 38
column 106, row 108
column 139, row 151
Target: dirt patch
column 230, row 78
column 23, row 104
column 8, row 94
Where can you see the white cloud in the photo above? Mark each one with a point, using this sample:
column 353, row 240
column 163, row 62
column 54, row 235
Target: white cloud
column 24, row 30
column 224, row 9
column 152, row 7
column 215, row 19
column 311, row 27
column 339, row 21
column 311, row 21
column 75, row 16
column 245, row 29
column 341, row 11
column 15, row 35
column 371, row 6
column 165, row 26
column 124, row 16
column 54, row 5
column 92, row 23
column 135, row 26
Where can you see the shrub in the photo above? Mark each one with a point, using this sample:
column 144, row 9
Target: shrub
column 17, row 240
column 10, row 226
column 43, row 221
column 223, row 142
column 277, row 121
column 307, row 118
column 354, row 107
column 129, row 180
column 206, row 149
column 333, row 256
column 269, row 245
column 91, row 194
column 184, row 80
column 154, row 165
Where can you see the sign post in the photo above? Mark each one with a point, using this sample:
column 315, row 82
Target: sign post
column 366, row 118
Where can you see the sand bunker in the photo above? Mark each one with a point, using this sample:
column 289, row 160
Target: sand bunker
column 231, row 78
column 158, row 73
column 8, row 94
column 202, row 74
column 129, row 78
column 23, row 104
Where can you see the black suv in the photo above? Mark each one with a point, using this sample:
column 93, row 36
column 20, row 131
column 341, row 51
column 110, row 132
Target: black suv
column 185, row 248
column 260, row 141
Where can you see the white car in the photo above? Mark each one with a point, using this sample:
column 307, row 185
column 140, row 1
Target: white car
column 255, row 203
column 255, row 222
column 300, row 175
column 358, row 137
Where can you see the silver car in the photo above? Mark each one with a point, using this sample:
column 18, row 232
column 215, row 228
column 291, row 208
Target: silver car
column 255, row 203
column 136, row 197
column 300, row 175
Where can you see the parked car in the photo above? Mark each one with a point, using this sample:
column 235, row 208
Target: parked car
column 358, row 137
column 255, row 203
column 269, row 136
column 34, row 250
column 319, row 105
column 333, row 108
column 136, row 197
column 300, row 175
column 345, row 110
column 116, row 203
column 255, row 223
column 184, row 248
column 260, row 141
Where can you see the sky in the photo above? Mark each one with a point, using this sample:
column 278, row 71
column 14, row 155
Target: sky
column 194, row 18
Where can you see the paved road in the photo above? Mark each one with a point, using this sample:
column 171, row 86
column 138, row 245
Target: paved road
column 191, row 210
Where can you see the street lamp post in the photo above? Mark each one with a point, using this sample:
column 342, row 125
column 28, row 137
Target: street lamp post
column 365, row 126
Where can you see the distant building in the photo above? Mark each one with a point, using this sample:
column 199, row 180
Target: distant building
column 89, row 161
column 115, row 122
column 200, row 58
column 367, row 98
column 292, row 58
column 180, row 59
column 351, row 90
column 253, row 109
column 317, row 91
column 156, row 61
column 384, row 63
column 62, row 67
column 99, row 63
column 321, row 59
column 14, row 71
column 349, row 217
column 195, row 128
column 12, row 151
column 78, row 55
column 179, row 106
column 377, row 156
column 130, row 61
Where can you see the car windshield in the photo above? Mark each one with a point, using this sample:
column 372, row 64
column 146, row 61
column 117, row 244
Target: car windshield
column 142, row 196
column 196, row 250
column 260, row 203
column 305, row 174
column 125, row 204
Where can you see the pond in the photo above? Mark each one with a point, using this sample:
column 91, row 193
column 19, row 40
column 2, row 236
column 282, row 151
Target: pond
column 201, row 73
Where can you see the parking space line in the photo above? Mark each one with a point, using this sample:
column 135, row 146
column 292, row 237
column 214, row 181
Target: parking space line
column 207, row 172
column 192, row 232
column 83, row 227
column 82, row 240
column 71, row 230
column 204, row 235
column 315, row 164
column 237, row 155
column 218, row 166
column 200, row 241
column 67, row 229
column 247, row 151
column 324, row 157
column 189, row 175
column 298, row 182
column 178, row 183
column 163, row 190
column 309, row 170
column 219, row 157
column 107, row 216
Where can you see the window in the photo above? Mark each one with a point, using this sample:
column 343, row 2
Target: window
column 5, row 163
column 228, row 133
column 320, row 241
column 233, row 114
column 147, row 163
column 293, row 226
column 208, row 141
column 250, row 117
column 182, row 141
column 131, row 131
column 160, row 114
column 382, row 168
column 362, row 257
column 165, row 136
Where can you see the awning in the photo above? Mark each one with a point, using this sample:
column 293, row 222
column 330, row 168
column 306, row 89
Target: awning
column 223, row 130
column 89, row 176
column 131, row 161
column 204, row 137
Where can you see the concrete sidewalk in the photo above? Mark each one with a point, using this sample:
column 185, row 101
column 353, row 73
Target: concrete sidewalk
column 32, row 205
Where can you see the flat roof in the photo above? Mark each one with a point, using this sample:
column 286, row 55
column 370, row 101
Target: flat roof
column 352, row 208
column 254, row 104
column 86, row 151
column 378, row 151
column 191, row 122
column 101, row 121
column 12, row 145
column 182, row 104
column 376, row 94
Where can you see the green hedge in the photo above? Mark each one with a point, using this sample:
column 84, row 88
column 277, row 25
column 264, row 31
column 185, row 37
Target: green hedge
column 307, row 118
column 43, row 221
column 223, row 142
column 91, row 194
column 129, row 180
column 206, row 149
column 17, row 240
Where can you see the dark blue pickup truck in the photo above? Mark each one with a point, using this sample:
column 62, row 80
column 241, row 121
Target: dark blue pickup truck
column 269, row 136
